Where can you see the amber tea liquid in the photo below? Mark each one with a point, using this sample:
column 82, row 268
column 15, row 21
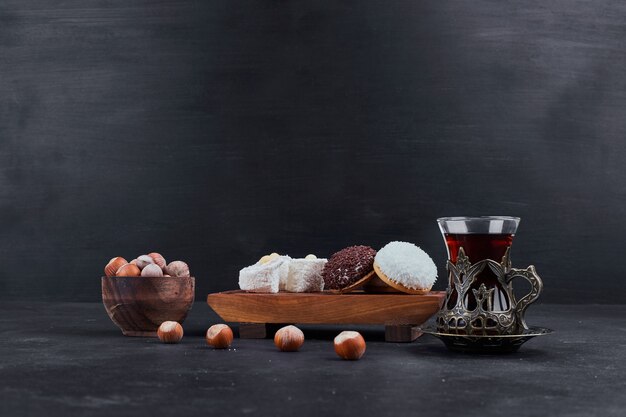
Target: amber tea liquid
column 478, row 247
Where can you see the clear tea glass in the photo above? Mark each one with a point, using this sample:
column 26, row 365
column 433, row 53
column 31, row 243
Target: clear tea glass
column 485, row 237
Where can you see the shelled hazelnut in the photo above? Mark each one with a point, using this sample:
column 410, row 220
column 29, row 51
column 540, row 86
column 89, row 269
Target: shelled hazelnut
column 152, row 270
column 158, row 259
column 177, row 269
column 349, row 345
column 144, row 260
column 114, row 264
column 220, row 336
column 170, row 332
column 289, row 339
column 128, row 270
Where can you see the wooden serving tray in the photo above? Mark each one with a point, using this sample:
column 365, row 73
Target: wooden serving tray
column 399, row 313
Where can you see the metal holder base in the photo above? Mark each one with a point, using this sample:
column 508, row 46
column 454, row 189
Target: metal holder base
column 487, row 344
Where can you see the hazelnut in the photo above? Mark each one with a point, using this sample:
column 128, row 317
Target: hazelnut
column 310, row 256
column 273, row 256
column 177, row 269
column 170, row 332
column 158, row 259
column 350, row 345
column 113, row 265
column 152, row 270
column 220, row 336
column 128, row 270
column 144, row 260
column 289, row 339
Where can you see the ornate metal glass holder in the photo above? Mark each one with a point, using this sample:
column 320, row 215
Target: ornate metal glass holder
column 457, row 318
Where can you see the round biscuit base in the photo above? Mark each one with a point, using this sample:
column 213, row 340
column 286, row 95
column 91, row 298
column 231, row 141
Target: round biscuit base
column 354, row 286
column 378, row 286
column 398, row 286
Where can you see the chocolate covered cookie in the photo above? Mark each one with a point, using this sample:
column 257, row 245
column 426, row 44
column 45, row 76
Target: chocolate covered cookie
column 349, row 268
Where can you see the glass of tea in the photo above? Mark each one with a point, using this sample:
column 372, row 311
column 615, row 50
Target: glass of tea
column 486, row 237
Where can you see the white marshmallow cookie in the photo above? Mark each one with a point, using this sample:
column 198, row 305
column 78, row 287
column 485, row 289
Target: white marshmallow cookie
column 405, row 267
column 265, row 277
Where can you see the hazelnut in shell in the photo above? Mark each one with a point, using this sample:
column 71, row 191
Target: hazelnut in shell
column 220, row 336
column 113, row 265
column 128, row 270
column 152, row 270
column 350, row 345
column 144, row 260
column 170, row 332
column 289, row 339
column 177, row 269
column 158, row 259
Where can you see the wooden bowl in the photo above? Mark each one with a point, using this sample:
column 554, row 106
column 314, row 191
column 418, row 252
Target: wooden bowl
column 138, row 305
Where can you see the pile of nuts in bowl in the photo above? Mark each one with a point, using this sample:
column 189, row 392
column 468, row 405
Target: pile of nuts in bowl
column 150, row 265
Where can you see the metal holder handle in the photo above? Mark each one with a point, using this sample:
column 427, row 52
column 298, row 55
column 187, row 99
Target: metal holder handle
column 530, row 275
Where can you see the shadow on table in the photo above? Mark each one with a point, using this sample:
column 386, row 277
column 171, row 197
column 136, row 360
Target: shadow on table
column 439, row 350
column 369, row 334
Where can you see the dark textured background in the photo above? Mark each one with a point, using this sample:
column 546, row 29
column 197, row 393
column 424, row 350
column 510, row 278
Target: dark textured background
column 217, row 131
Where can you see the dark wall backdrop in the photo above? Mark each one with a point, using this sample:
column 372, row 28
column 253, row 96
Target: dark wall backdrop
column 218, row 131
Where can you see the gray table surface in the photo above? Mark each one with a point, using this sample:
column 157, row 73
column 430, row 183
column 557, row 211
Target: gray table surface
column 65, row 359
